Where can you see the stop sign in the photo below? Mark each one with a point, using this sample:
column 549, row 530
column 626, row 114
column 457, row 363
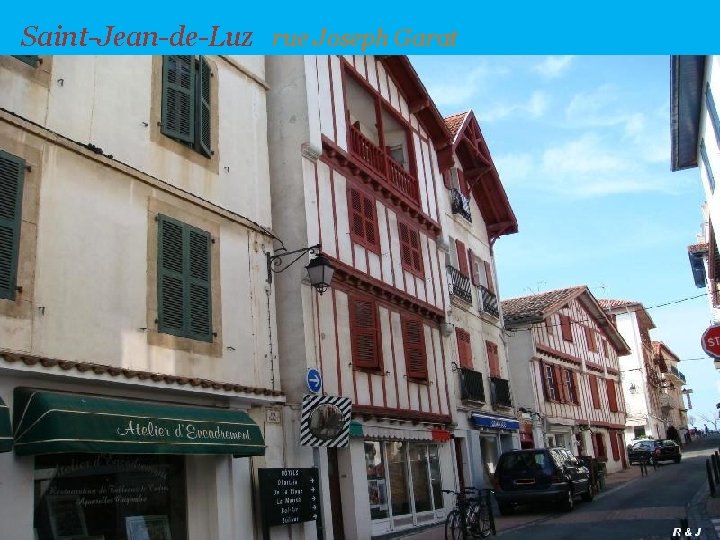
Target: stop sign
column 710, row 341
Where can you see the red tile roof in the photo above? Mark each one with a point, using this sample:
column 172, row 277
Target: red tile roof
column 102, row 369
column 537, row 305
column 609, row 303
column 455, row 121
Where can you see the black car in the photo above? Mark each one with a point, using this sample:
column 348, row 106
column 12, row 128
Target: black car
column 551, row 475
column 653, row 451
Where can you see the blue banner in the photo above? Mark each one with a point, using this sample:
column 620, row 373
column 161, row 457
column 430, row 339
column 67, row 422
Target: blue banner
column 372, row 27
column 495, row 422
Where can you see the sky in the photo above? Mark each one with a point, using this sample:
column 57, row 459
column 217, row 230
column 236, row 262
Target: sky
column 582, row 146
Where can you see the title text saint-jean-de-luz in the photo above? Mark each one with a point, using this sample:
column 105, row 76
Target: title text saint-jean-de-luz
column 216, row 36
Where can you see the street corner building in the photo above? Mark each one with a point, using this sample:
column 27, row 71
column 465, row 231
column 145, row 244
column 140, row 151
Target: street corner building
column 563, row 352
column 140, row 390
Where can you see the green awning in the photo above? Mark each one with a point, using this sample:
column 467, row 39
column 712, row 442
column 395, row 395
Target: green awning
column 49, row 422
column 6, row 438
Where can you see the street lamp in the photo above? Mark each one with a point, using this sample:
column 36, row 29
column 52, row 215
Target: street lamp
column 320, row 271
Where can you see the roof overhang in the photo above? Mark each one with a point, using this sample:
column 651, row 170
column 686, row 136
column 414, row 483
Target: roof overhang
column 687, row 75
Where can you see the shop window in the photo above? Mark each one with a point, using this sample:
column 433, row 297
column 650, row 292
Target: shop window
column 184, row 289
column 399, row 481
column 113, row 497
column 186, row 108
column 377, row 482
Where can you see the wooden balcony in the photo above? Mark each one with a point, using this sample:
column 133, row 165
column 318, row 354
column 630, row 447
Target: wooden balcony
column 383, row 165
column 459, row 284
column 488, row 302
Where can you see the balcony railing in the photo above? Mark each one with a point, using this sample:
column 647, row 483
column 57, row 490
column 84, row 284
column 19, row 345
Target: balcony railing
column 677, row 373
column 471, row 385
column 400, row 179
column 459, row 284
column 488, row 302
column 460, row 204
column 500, row 389
column 366, row 150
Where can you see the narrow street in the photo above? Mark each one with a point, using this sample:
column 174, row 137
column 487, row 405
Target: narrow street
column 646, row 508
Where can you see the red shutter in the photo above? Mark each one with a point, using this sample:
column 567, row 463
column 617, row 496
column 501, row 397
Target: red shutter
column 464, row 348
column 488, row 274
column 364, row 333
column 594, row 392
column 566, row 328
column 614, row 446
column 463, row 185
column 559, row 383
column 493, row 358
column 417, row 262
column 369, row 215
column 612, row 396
column 474, row 270
column 543, row 376
column 414, row 345
column 405, row 254
column 363, row 219
column 576, row 387
column 590, row 338
column 410, row 253
column 462, row 258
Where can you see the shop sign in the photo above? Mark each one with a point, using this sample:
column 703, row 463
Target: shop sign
column 289, row 495
column 441, row 435
column 325, row 421
column 494, row 422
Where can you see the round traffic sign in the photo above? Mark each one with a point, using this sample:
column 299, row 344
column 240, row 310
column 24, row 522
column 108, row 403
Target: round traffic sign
column 313, row 379
column 710, row 341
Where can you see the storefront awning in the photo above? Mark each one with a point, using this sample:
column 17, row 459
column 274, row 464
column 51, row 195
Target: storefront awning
column 49, row 422
column 6, row 438
column 494, row 422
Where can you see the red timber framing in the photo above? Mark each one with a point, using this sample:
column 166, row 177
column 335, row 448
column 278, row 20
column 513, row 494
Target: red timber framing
column 483, row 180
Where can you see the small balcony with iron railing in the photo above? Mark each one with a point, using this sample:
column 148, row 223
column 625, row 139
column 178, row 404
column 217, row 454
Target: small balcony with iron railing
column 460, row 204
column 471, row 385
column 459, row 284
column 400, row 180
column 488, row 302
column 500, row 392
column 677, row 374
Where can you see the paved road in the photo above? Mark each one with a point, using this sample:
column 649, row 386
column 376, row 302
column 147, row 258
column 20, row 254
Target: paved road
column 644, row 509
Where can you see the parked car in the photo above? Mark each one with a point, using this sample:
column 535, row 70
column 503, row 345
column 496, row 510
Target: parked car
column 653, row 451
column 551, row 475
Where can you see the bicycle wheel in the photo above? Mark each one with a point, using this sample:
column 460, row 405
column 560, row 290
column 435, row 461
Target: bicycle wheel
column 484, row 521
column 454, row 526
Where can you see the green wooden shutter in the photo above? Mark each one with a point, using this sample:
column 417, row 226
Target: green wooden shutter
column 171, row 296
column 199, row 301
column 178, row 99
column 12, row 175
column 204, row 138
column 30, row 59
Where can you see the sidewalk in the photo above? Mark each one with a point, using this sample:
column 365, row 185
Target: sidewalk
column 531, row 516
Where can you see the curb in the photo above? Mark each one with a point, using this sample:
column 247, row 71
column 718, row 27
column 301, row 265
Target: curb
column 698, row 516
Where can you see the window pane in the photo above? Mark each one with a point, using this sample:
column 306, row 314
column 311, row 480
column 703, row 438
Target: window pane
column 421, row 486
column 435, row 477
column 377, row 484
column 399, row 481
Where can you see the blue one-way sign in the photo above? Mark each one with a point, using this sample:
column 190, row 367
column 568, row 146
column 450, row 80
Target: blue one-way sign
column 313, row 380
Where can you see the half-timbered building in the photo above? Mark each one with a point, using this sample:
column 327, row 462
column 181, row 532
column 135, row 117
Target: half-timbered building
column 475, row 212
column 564, row 368
column 359, row 150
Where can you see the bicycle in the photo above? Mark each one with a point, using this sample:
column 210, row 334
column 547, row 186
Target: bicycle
column 472, row 516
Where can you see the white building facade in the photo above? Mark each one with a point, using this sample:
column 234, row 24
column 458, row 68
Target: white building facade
column 563, row 359
column 138, row 349
column 475, row 212
column 360, row 150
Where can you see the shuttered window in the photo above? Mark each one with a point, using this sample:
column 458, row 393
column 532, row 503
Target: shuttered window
column 186, row 104
column 475, row 263
column 614, row 446
column 493, row 358
column 30, row 59
column 410, row 253
column 464, row 348
column 612, row 395
column 363, row 219
column 594, row 392
column 489, row 277
column 565, row 328
column 364, row 333
column 184, row 287
column 414, row 345
column 550, row 387
column 590, row 338
column 12, row 176
column 462, row 258
column 571, row 394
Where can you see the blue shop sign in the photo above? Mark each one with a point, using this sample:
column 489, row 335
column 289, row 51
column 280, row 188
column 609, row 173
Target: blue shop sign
column 494, row 422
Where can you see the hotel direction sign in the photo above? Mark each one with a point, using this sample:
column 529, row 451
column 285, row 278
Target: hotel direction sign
column 289, row 495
